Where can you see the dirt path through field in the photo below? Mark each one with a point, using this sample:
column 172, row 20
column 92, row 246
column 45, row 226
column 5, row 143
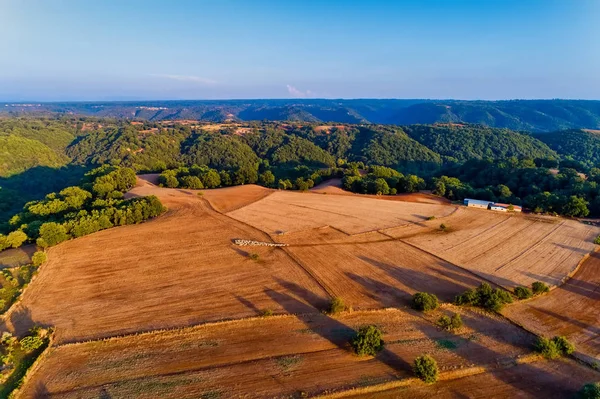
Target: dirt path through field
column 176, row 270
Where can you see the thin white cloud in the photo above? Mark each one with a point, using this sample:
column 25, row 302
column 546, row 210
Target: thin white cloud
column 298, row 93
column 186, row 78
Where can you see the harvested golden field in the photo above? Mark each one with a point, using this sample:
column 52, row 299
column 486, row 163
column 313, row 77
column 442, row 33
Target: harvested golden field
column 334, row 186
column 571, row 310
column 176, row 270
column 272, row 357
column 557, row 379
column 285, row 212
column 231, row 198
column 372, row 270
column 509, row 250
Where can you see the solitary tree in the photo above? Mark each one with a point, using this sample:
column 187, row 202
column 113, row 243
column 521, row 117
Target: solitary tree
column 368, row 341
column 424, row 301
column 426, row 368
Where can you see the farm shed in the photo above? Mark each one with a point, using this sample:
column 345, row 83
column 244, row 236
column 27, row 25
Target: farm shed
column 473, row 203
column 505, row 207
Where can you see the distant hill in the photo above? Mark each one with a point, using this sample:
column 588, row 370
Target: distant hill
column 580, row 145
column 521, row 115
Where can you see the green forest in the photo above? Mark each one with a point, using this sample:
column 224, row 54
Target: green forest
column 553, row 172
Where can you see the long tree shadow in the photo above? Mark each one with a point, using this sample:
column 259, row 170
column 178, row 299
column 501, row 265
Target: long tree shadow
column 385, row 294
column 589, row 290
column 419, row 281
column 328, row 327
column 477, row 354
column 591, row 329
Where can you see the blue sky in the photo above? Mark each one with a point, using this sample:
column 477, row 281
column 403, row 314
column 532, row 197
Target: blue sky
column 218, row 49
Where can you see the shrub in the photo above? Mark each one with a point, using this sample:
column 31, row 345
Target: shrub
column 539, row 288
column 523, row 292
column 456, row 321
column 424, row 301
column 563, row 345
column 597, row 240
column 590, row 391
column 16, row 238
column 431, row 218
column 368, row 341
column 443, row 227
column 484, row 296
column 31, row 343
column 336, row 306
column 450, row 323
column 266, row 313
column 547, row 348
column 426, row 368
column 444, row 323
column 38, row 258
column 469, row 297
column 254, row 256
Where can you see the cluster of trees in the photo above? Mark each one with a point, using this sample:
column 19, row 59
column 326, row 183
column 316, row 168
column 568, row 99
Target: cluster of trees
column 76, row 211
column 381, row 180
column 534, row 184
column 478, row 162
column 484, row 296
column 554, row 348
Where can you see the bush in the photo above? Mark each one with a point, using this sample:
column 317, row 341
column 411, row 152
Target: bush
column 547, row 348
column 450, row 323
column 484, row 296
column 31, row 343
column 590, row 391
column 456, row 321
column 539, row 288
column 254, row 256
column 469, row 297
column 336, row 306
column 426, row 368
column 424, row 301
column 443, row 227
column 597, row 240
column 563, row 345
column 431, row 218
column 266, row 313
column 368, row 341
column 38, row 258
column 523, row 292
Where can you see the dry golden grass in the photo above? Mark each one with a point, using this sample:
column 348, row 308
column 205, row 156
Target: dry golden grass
column 272, row 357
column 571, row 310
column 556, row 379
column 509, row 249
column 179, row 269
column 284, row 212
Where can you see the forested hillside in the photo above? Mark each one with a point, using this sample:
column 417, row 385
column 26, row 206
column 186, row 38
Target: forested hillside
column 43, row 155
column 460, row 143
column 526, row 115
column 580, row 145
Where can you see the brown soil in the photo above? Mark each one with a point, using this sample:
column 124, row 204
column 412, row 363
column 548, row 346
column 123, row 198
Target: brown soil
column 556, row 379
column 176, row 270
column 334, row 186
column 508, row 249
column 272, row 357
column 571, row 310
column 286, row 211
